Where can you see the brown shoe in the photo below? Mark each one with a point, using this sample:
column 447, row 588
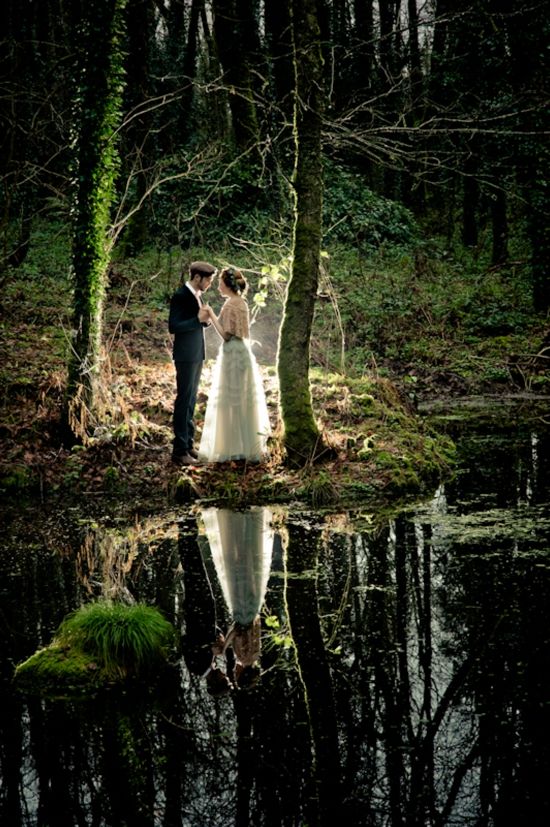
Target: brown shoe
column 184, row 459
column 193, row 453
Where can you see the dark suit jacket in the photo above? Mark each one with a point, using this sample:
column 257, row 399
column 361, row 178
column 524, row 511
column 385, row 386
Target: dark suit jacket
column 184, row 324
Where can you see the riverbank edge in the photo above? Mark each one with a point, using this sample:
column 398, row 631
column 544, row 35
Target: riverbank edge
column 378, row 447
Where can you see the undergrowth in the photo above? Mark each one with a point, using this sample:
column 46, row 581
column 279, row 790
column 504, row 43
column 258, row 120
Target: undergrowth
column 394, row 308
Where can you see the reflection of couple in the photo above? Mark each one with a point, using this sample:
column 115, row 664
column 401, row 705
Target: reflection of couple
column 236, row 424
column 241, row 545
column 235, row 552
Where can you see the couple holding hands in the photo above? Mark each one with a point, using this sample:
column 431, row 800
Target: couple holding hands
column 236, row 423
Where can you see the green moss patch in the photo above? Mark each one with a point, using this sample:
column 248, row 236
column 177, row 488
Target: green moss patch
column 60, row 671
column 97, row 646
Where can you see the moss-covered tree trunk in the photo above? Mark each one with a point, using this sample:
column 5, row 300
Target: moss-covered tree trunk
column 301, row 434
column 98, row 81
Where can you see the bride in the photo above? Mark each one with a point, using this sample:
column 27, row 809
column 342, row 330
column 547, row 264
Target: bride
column 236, row 423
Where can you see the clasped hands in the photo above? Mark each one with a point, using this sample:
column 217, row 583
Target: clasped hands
column 205, row 313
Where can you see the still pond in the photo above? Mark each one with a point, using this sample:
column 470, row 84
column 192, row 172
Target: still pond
column 369, row 669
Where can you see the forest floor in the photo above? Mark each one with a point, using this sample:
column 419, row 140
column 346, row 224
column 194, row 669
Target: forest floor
column 378, row 447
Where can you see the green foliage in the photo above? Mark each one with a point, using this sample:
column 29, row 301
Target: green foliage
column 16, row 481
column 219, row 198
column 354, row 214
column 49, row 253
column 222, row 199
column 95, row 646
column 278, row 638
column 126, row 640
column 111, row 478
column 423, row 308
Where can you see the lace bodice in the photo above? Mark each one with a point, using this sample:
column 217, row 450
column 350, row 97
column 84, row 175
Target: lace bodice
column 235, row 318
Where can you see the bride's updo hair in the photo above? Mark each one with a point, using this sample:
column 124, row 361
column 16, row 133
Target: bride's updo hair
column 235, row 280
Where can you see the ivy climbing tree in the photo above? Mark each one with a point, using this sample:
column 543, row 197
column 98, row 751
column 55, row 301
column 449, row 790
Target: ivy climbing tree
column 96, row 116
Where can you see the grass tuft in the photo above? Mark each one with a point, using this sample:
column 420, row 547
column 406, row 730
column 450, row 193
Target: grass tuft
column 124, row 639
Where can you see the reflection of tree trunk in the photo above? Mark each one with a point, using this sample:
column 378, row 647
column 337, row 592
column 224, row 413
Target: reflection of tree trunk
column 127, row 770
column 533, row 777
column 11, row 751
column 178, row 750
column 359, row 717
column 422, row 794
column 381, row 623
column 30, row 612
column 311, row 655
column 401, row 622
column 199, row 604
column 165, row 583
column 51, row 733
column 284, row 758
column 245, row 758
column 198, row 620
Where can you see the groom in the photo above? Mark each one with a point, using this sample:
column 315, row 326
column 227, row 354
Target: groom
column 187, row 321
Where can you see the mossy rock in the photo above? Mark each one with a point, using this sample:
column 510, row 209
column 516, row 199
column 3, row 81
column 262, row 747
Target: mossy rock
column 99, row 646
column 59, row 671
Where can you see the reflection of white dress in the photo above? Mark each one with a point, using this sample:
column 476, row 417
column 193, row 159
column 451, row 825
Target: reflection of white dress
column 241, row 543
column 236, row 423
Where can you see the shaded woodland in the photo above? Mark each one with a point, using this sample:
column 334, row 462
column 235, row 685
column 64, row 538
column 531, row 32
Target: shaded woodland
column 379, row 170
column 140, row 125
column 435, row 104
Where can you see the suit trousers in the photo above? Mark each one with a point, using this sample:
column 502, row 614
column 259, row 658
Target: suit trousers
column 188, row 376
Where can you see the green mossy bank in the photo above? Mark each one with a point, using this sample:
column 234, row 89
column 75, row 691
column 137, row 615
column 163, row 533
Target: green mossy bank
column 100, row 646
column 378, row 448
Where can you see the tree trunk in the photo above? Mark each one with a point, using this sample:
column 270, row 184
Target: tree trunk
column 391, row 101
column 97, row 115
column 414, row 52
column 529, row 71
column 500, row 227
column 470, row 201
column 538, row 223
column 234, row 58
column 279, row 45
column 187, row 120
column 138, row 148
column 301, row 434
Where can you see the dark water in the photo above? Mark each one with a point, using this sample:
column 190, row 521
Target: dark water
column 405, row 662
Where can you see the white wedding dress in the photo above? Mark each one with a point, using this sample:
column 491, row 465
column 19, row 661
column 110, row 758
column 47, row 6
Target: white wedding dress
column 241, row 545
column 236, row 423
